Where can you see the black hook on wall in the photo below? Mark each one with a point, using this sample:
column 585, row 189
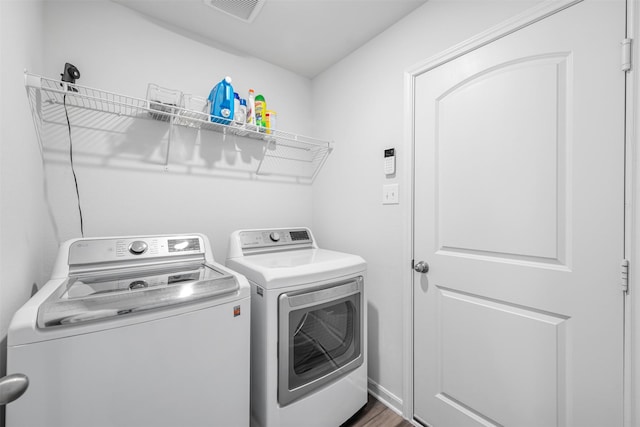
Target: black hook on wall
column 70, row 74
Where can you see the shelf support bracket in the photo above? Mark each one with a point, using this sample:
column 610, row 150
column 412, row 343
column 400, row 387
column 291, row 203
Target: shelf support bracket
column 169, row 140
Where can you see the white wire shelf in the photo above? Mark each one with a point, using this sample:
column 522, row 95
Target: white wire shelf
column 284, row 153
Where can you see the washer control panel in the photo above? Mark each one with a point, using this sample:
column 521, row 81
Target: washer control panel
column 90, row 251
column 275, row 238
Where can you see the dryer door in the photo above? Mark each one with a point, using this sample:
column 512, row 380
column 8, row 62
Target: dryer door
column 320, row 337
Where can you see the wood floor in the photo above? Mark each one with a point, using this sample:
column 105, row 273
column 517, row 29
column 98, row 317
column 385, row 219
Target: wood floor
column 376, row 414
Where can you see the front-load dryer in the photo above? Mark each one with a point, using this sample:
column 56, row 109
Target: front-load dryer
column 308, row 328
column 134, row 331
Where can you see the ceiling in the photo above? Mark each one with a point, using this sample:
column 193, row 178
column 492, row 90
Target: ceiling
column 303, row 36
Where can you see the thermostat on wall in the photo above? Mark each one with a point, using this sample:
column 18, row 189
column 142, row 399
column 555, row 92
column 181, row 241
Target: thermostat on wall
column 389, row 161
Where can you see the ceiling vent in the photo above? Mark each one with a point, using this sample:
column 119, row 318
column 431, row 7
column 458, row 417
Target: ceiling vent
column 245, row 10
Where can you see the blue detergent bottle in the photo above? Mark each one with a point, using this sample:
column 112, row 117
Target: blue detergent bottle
column 221, row 99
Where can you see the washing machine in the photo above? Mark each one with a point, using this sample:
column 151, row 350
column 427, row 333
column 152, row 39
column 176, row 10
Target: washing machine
column 308, row 328
column 133, row 331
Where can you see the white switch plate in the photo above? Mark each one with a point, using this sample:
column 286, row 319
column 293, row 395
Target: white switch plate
column 390, row 194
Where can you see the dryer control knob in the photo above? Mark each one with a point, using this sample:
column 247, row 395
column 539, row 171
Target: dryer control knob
column 138, row 247
column 274, row 236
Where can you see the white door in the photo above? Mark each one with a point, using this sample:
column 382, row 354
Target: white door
column 519, row 198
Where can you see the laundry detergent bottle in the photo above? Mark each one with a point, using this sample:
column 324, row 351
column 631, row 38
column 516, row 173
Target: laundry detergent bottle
column 222, row 102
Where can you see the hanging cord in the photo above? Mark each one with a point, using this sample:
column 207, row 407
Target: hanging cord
column 75, row 179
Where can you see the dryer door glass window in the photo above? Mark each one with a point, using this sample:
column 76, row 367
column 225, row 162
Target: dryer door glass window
column 322, row 340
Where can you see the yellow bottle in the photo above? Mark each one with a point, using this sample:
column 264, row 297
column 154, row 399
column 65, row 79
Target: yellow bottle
column 270, row 121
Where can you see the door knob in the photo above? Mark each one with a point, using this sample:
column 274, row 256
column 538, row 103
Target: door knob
column 12, row 387
column 421, row 267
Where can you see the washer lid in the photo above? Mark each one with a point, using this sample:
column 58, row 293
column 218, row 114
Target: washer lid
column 287, row 268
column 87, row 297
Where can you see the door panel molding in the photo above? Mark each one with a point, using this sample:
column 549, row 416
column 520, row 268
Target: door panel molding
column 539, row 88
column 473, row 352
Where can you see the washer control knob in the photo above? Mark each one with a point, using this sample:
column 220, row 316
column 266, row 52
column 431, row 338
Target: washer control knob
column 138, row 247
column 274, row 236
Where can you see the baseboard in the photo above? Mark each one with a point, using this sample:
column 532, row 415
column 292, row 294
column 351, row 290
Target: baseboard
column 390, row 400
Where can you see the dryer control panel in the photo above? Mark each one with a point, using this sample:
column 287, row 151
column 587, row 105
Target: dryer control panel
column 275, row 238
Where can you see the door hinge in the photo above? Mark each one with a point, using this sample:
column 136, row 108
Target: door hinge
column 624, row 275
column 626, row 55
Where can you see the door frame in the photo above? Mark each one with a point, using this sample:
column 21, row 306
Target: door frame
column 632, row 195
column 632, row 222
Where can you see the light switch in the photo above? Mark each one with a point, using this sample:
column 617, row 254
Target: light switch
column 390, row 194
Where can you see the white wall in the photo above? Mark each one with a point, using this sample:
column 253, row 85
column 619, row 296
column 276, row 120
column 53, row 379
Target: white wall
column 22, row 226
column 359, row 103
column 124, row 186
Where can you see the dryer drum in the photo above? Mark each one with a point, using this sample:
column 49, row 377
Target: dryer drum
column 322, row 338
